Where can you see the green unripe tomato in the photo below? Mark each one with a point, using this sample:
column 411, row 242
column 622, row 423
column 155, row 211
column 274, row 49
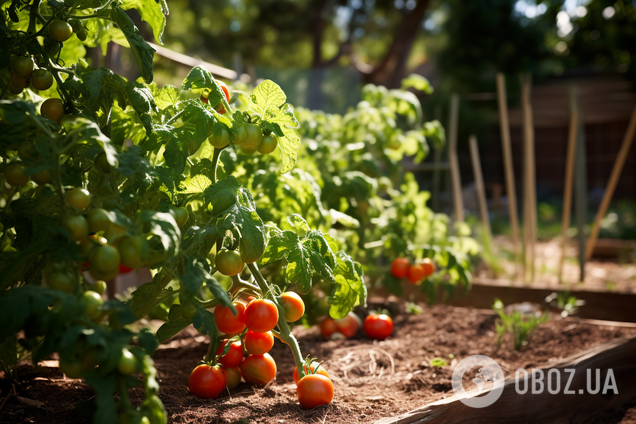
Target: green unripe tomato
column 93, row 302
column 22, row 66
column 229, row 262
column 130, row 251
column 127, row 364
column 98, row 220
column 101, row 163
column 62, row 281
column 104, row 276
column 105, row 258
column 78, row 198
column 219, row 141
column 77, row 226
column 60, row 30
column 52, row 109
column 14, row 90
column 180, row 215
column 99, row 287
column 42, row 79
column 254, row 137
column 188, row 310
column 240, row 134
column 268, row 145
column 14, row 174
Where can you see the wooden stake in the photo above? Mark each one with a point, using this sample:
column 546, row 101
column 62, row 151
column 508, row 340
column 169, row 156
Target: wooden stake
column 508, row 165
column 611, row 185
column 569, row 170
column 481, row 191
column 452, row 158
column 529, row 207
column 580, row 190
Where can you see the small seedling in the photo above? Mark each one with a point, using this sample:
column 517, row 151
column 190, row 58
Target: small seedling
column 517, row 324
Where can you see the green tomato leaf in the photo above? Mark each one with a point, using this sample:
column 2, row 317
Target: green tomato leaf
column 150, row 11
column 142, row 50
column 350, row 289
column 417, row 82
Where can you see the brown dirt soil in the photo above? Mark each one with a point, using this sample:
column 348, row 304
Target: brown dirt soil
column 372, row 379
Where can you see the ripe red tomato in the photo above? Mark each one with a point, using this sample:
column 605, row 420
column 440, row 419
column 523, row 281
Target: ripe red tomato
column 378, row 326
column 328, row 327
column 320, row 371
column 261, row 315
column 258, row 343
column 258, row 369
column 233, row 377
column 123, row 269
column 220, row 108
column 348, row 325
column 227, row 322
column 429, row 266
column 234, row 355
column 416, row 274
column 207, row 382
column 293, row 306
column 400, row 267
column 314, row 390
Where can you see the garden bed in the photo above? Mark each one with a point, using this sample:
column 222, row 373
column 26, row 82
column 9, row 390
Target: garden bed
column 372, row 380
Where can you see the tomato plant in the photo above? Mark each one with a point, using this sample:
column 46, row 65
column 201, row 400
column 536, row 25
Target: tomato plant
column 158, row 176
column 378, row 326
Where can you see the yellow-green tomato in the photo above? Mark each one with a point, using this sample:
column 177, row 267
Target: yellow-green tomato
column 99, row 287
column 229, row 262
column 105, row 258
column 22, row 66
column 93, row 303
column 98, row 220
column 62, row 281
column 240, row 133
column 268, row 145
column 41, row 79
column 60, row 30
column 78, row 198
column 52, row 109
column 77, row 226
column 219, row 141
column 127, row 364
column 130, row 251
column 180, row 215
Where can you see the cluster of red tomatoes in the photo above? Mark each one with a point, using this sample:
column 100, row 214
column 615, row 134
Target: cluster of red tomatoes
column 377, row 326
column 246, row 355
column 249, row 137
column 415, row 273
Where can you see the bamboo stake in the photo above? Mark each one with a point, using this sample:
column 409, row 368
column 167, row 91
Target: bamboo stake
column 452, row 157
column 569, row 170
column 508, row 165
column 481, row 191
column 611, row 185
column 529, row 207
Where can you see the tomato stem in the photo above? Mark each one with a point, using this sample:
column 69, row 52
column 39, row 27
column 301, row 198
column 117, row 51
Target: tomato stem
column 215, row 163
column 285, row 334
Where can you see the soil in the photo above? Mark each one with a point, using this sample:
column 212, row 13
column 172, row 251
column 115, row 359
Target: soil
column 614, row 275
column 372, row 379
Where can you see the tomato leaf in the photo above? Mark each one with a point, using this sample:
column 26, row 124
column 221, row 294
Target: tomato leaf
column 150, row 11
column 197, row 272
column 350, row 289
column 142, row 50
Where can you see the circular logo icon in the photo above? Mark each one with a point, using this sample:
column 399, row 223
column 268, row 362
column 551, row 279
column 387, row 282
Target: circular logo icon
column 487, row 370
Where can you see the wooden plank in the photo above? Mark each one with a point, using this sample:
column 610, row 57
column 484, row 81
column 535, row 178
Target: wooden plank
column 452, row 158
column 569, row 171
column 511, row 191
column 611, row 185
column 512, row 407
column 481, row 190
column 192, row 62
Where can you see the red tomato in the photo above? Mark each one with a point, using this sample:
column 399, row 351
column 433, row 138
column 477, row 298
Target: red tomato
column 348, row 325
column 258, row 343
column 261, row 315
column 123, row 269
column 293, row 305
column 328, row 327
column 314, row 390
column 400, row 267
column 220, row 108
column 378, row 327
column 258, row 369
column 416, row 274
column 250, row 299
column 429, row 266
column 233, row 377
column 207, row 382
column 320, row 371
column 234, row 355
column 227, row 322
